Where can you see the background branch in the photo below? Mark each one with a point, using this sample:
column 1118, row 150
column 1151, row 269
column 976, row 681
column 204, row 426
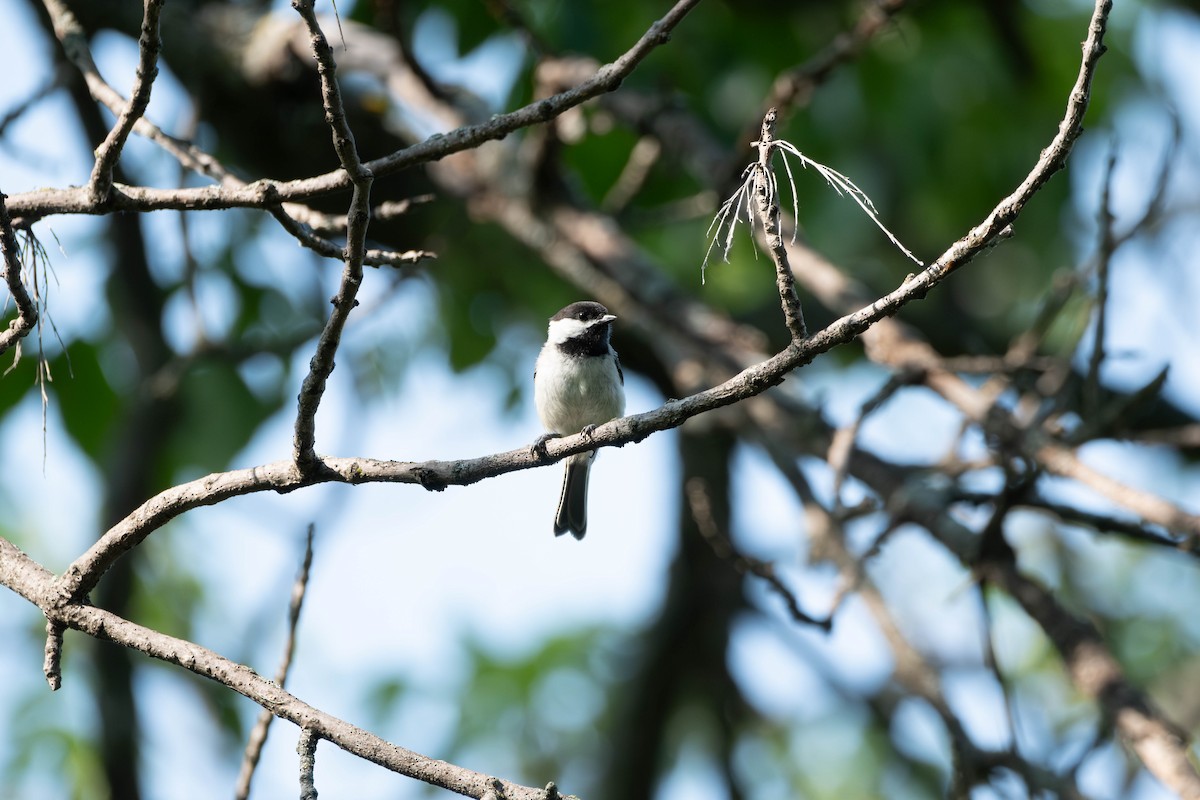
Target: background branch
column 1159, row 744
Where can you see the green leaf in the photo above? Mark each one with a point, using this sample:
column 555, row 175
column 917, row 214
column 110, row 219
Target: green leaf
column 89, row 404
column 219, row 414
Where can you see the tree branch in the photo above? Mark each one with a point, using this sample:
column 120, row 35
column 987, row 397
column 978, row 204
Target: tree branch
column 36, row 584
column 52, row 663
column 285, row 215
column 264, row 192
column 290, row 216
column 1052, row 159
column 767, row 205
column 1064, row 462
column 62, row 600
column 1102, row 523
column 283, row 476
column 81, row 576
column 794, row 86
column 358, row 218
column 27, row 312
column 700, row 505
column 1094, row 671
column 258, row 736
column 109, row 152
column 306, row 748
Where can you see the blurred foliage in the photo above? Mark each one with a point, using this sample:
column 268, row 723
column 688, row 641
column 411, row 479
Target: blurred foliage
column 548, row 710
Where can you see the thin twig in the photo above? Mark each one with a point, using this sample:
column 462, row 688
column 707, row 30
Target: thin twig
column 291, row 215
column 759, row 179
column 1152, row 508
column 767, row 204
column 52, row 663
column 358, row 218
column 17, row 111
column 258, row 736
column 722, row 547
column 322, row 223
column 1158, row 196
column 1101, row 523
column 793, row 87
column 27, row 312
column 1091, row 386
column 1011, row 710
column 75, row 44
column 306, row 748
column 642, row 158
column 109, row 152
column 323, row 247
column 843, row 442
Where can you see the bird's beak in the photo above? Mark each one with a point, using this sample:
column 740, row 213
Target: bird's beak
column 608, row 317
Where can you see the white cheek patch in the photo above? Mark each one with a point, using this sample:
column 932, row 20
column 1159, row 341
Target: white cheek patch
column 563, row 329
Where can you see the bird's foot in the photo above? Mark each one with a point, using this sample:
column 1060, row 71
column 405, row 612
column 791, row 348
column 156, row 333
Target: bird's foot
column 539, row 446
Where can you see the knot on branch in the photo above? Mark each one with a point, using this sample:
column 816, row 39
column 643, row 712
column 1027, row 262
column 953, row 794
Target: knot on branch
column 429, row 479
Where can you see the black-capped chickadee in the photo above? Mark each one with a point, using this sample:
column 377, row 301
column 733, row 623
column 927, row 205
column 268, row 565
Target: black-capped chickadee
column 577, row 385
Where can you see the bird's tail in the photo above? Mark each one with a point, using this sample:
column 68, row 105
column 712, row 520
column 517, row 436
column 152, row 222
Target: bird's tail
column 572, row 503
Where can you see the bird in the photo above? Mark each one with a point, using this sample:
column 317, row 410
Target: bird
column 577, row 385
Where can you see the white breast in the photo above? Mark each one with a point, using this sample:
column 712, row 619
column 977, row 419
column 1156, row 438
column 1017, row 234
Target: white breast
column 572, row 393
